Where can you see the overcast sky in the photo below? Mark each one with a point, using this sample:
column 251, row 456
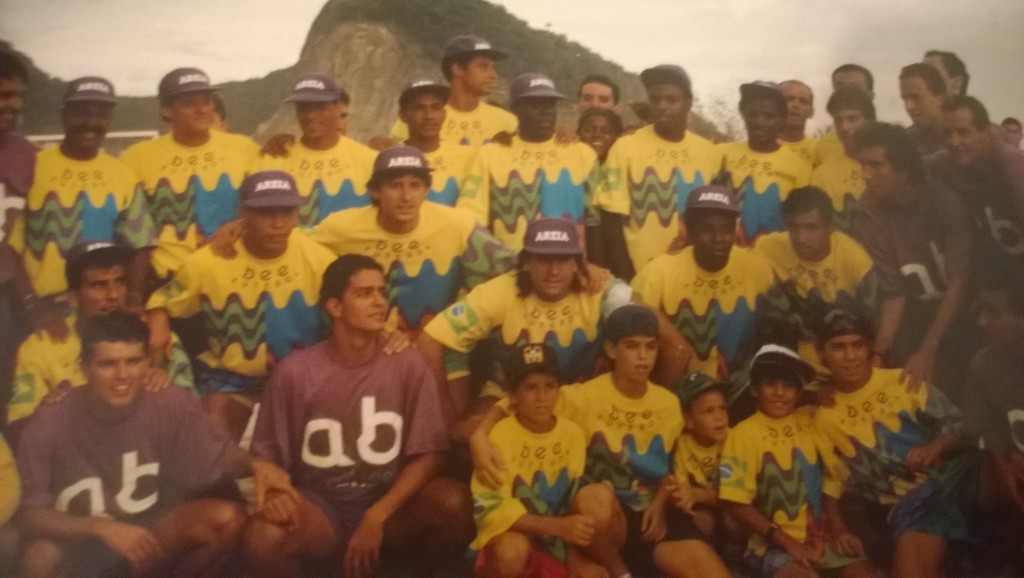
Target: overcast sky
column 720, row 42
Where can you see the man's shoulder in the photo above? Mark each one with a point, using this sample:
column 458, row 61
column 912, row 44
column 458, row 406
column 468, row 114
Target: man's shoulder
column 234, row 141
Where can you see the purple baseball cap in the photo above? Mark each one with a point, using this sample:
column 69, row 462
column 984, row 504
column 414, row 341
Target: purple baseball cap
column 713, row 197
column 267, row 189
column 667, row 74
column 533, row 85
column 552, row 236
column 90, row 89
column 405, row 159
column 315, row 88
column 462, row 45
column 184, row 81
column 423, row 85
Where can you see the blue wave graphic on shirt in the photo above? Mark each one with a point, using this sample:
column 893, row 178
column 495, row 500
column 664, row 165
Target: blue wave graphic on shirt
column 562, row 198
column 541, row 497
column 326, row 203
column 760, row 212
column 427, row 293
column 216, row 207
column 684, row 188
column 623, row 469
column 98, row 223
column 296, row 325
column 734, row 332
column 446, row 195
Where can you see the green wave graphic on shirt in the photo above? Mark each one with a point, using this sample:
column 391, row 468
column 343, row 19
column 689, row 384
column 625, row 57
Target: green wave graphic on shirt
column 787, row 490
column 208, row 210
column 514, row 200
column 52, row 222
column 872, row 470
column 651, row 196
column 137, row 228
column 234, row 323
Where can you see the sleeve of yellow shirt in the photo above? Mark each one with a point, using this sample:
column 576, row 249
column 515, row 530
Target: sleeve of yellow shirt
column 738, row 470
column 29, row 385
column 476, row 189
column 470, row 320
column 613, row 191
column 10, row 484
column 496, row 510
column 180, row 296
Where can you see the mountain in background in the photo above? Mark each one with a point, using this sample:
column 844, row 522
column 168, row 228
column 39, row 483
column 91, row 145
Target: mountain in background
column 373, row 48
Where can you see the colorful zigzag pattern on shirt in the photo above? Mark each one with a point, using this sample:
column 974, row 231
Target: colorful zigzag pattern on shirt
column 320, row 203
column 207, row 209
column 540, row 197
column 282, row 329
column 633, row 474
column 651, row 196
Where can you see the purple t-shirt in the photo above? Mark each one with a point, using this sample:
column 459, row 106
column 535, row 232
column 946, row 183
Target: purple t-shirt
column 342, row 432
column 17, row 167
column 158, row 456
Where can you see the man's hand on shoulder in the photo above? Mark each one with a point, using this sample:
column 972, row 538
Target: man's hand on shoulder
column 277, row 146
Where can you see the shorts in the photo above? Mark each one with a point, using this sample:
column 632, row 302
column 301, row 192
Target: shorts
column 91, row 557
column 774, row 558
column 639, row 554
column 539, row 563
column 210, row 380
column 344, row 516
column 945, row 505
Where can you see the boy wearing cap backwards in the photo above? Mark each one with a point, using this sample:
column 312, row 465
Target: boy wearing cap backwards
column 630, row 426
column 760, row 168
column 255, row 307
column 534, row 176
column 717, row 295
column 47, row 368
column 817, row 266
column 468, row 65
column 649, row 175
column 526, row 527
column 429, row 252
column 699, row 451
column 347, row 447
column 771, row 474
column 190, row 175
column 421, row 107
column 895, row 446
column 117, row 479
column 330, row 168
column 80, row 193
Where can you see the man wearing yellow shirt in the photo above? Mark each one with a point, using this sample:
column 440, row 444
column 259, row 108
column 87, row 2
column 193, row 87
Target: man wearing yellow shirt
column 845, row 75
column 649, row 174
column 255, row 307
column 80, row 193
column 468, row 64
column 330, row 169
column 190, row 175
column 421, row 107
column 839, row 175
column 799, row 110
column 761, row 170
column 534, row 176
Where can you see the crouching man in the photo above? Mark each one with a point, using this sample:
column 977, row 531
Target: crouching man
column 115, row 476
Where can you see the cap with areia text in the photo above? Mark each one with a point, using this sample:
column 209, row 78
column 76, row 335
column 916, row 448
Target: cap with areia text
column 667, row 74
column 467, row 44
column 776, row 361
column 405, row 159
column 527, row 359
column 552, row 236
column 533, row 85
column 267, row 189
column 184, row 81
column 90, row 89
column 315, row 88
column 713, row 197
column 84, row 253
column 421, row 86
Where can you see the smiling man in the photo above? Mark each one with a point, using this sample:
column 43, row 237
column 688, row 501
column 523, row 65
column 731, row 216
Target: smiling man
column 330, row 169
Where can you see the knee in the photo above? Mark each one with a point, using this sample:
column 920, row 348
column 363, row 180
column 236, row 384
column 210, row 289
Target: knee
column 449, row 502
column 596, row 501
column 225, row 520
column 508, row 554
column 263, row 539
column 41, row 558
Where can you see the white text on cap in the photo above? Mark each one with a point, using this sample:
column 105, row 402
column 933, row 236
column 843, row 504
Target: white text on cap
column 481, row 46
column 714, row 197
column 189, row 78
column 551, row 236
column 404, row 162
column 541, row 82
column 310, row 84
column 273, row 184
column 99, row 86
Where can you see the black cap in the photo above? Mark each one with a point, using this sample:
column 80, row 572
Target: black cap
column 463, row 45
column 90, row 89
column 762, row 90
column 667, row 74
column 533, row 85
column 315, row 88
column 629, row 321
column 84, row 253
column 777, row 361
column 714, row 197
column 269, row 189
column 695, row 385
column 423, row 85
column 552, row 236
column 527, row 359
column 184, row 81
column 841, row 321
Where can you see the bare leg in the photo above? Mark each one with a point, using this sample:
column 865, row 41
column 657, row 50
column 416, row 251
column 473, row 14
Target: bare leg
column 42, row 558
column 228, row 413
column 598, row 502
column 689, row 558
column 273, row 550
column 919, row 555
column 200, row 535
column 434, row 527
column 506, row 555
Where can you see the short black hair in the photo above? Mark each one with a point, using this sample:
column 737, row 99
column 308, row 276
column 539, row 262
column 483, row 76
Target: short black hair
column 102, row 259
column 851, row 97
column 340, row 272
column 523, row 285
column 378, row 178
column 460, row 59
column 899, row 148
column 979, row 115
column 12, row 66
column 113, row 327
column 611, row 115
column 809, row 198
column 953, row 65
column 932, row 78
column 599, row 79
column 1013, row 121
column 850, row 67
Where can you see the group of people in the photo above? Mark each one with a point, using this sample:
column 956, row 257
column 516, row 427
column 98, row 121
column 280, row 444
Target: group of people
column 491, row 342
